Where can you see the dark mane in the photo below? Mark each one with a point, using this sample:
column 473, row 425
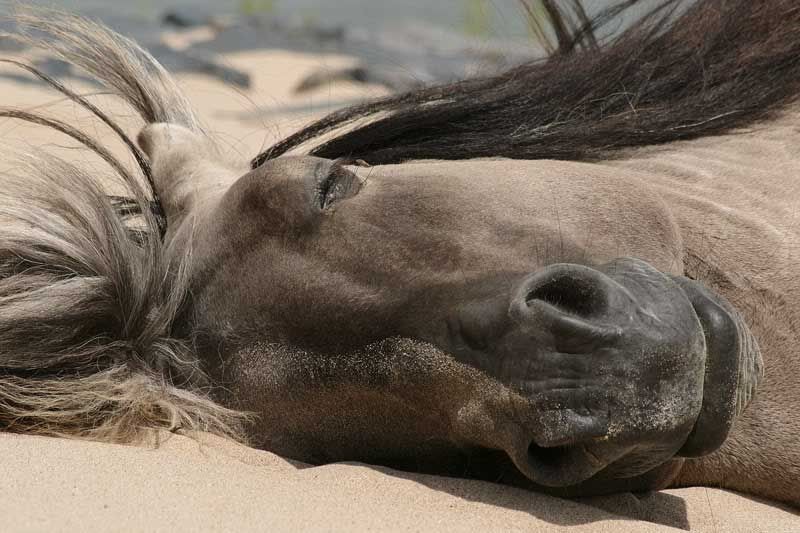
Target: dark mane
column 680, row 72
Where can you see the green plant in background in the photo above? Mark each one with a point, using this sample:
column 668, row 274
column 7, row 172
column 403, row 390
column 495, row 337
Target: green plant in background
column 539, row 24
column 256, row 7
column 310, row 18
column 559, row 25
column 145, row 8
column 477, row 18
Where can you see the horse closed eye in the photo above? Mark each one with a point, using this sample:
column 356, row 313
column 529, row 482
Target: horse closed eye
column 338, row 184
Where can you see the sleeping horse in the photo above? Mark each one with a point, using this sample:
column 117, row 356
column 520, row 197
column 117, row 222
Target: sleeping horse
column 579, row 276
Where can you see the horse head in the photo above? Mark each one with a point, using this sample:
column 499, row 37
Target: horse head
column 391, row 312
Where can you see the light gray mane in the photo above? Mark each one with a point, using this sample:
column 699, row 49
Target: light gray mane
column 86, row 309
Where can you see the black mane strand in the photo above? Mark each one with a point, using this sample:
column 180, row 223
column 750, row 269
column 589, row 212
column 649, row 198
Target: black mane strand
column 682, row 71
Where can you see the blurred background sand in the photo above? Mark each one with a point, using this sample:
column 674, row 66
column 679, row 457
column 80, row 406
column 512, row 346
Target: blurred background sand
column 242, row 61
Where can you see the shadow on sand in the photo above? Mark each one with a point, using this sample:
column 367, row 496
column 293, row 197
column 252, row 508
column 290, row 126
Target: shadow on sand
column 656, row 507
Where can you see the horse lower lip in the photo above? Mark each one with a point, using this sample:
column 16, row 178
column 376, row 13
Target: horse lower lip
column 562, row 466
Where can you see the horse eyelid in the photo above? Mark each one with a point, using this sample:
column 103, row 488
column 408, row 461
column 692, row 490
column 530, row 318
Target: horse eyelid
column 338, row 184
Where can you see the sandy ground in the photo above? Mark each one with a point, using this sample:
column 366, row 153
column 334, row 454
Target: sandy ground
column 212, row 485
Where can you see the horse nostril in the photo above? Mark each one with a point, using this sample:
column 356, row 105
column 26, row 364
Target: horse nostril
column 571, row 293
column 567, row 307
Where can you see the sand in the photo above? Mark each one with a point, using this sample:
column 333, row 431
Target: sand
column 213, row 485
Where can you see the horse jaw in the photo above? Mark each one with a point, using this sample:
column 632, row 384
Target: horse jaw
column 189, row 169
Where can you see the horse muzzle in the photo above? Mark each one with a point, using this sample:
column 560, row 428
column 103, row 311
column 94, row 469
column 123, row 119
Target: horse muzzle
column 619, row 368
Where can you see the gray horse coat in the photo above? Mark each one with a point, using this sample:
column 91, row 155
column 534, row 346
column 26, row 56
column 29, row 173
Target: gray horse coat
column 569, row 326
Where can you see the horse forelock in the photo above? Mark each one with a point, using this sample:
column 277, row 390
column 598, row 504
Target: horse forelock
column 86, row 315
column 88, row 293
